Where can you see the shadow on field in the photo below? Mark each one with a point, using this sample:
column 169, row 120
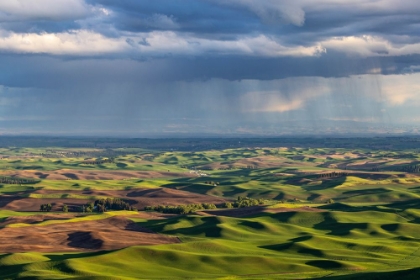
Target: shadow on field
column 235, row 191
column 390, row 227
column 350, row 194
column 193, row 188
column 325, row 264
column 208, row 226
column 41, row 175
column 236, row 173
column 224, row 186
column 253, row 225
column 71, row 176
column 337, row 228
column 396, row 208
column 313, row 196
column 325, row 184
column 404, row 205
column 140, row 193
column 85, row 240
column 281, row 217
column 368, row 191
column 30, row 167
column 349, row 208
column 65, row 267
column 121, row 165
column 11, row 271
column 5, row 199
column 409, row 274
column 300, row 249
column 63, row 257
column 171, row 160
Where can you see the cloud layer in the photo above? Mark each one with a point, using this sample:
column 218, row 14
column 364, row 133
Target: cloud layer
column 210, row 27
column 141, row 66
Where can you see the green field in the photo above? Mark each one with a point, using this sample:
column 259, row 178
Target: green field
column 346, row 210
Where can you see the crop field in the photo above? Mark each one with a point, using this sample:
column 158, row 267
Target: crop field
column 210, row 209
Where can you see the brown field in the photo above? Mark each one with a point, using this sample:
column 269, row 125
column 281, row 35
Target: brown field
column 76, row 236
column 68, row 174
column 136, row 197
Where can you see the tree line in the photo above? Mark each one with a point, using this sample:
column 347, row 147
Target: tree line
column 103, row 205
column 411, row 168
column 333, row 174
column 98, row 161
column 100, row 205
column 181, row 209
column 45, row 207
column 17, row 181
column 241, row 202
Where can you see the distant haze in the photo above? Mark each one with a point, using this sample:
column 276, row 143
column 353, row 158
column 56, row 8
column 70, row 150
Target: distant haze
column 209, row 67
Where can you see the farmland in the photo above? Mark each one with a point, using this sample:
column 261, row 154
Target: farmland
column 321, row 208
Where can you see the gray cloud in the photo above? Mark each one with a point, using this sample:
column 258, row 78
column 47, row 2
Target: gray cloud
column 54, row 10
column 271, row 66
column 272, row 12
column 212, row 27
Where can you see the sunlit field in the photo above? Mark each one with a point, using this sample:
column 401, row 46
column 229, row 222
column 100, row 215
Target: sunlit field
column 250, row 212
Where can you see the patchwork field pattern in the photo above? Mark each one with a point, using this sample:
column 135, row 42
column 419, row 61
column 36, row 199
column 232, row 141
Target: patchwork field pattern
column 341, row 210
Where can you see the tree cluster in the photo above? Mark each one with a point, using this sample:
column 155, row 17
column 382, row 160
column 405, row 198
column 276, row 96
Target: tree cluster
column 98, row 161
column 181, row 209
column 411, row 168
column 333, row 175
column 102, row 205
column 88, row 208
column 45, row 207
column 17, row 181
column 242, row 202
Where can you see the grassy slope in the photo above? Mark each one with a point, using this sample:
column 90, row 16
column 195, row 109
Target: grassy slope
column 286, row 245
column 372, row 234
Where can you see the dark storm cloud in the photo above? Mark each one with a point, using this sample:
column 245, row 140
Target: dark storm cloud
column 248, row 33
column 188, row 15
column 206, row 65
column 321, row 19
column 329, row 65
column 50, row 72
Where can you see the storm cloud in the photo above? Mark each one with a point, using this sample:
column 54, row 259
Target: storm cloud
column 268, row 67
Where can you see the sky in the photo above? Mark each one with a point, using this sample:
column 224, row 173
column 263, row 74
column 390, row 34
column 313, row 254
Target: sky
column 144, row 68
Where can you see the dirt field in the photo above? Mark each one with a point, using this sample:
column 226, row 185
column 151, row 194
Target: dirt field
column 68, row 174
column 78, row 236
column 137, row 197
